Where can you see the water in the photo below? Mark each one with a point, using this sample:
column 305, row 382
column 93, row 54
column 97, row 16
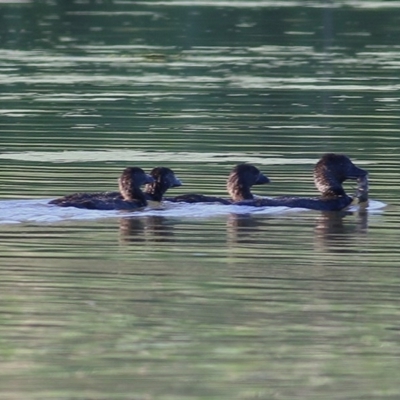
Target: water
column 197, row 301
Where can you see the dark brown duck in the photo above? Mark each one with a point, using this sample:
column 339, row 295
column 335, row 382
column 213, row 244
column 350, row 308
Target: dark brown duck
column 329, row 174
column 239, row 184
column 164, row 179
column 129, row 197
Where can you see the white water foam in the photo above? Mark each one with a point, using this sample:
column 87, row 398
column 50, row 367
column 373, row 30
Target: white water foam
column 39, row 211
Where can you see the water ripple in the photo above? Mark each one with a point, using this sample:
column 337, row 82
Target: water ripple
column 156, row 156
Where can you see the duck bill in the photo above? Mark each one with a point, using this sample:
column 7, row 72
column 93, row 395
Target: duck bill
column 262, row 179
column 177, row 182
column 357, row 173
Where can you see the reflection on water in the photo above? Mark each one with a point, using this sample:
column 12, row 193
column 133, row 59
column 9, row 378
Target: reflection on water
column 152, row 229
column 197, row 301
column 337, row 231
column 241, row 227
column 333, row 231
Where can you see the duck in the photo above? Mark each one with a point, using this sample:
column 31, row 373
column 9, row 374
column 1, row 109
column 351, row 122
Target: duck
column 239, row 183
column 241, row 179
column 129, row 197
column 163, row 179
column 329, row 174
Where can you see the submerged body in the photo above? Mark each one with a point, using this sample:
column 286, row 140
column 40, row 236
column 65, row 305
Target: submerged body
column 239, row 183
column 129, row 197
column 329, row 174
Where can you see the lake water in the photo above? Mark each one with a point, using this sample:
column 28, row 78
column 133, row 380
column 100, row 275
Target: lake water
column 197, row 301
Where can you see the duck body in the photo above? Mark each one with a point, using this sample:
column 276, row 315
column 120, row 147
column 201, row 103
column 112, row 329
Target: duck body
column 311, row 203
column 129, row 197
column 197, row 198
column 239, row 183
column 329, row 174
column 98, row 201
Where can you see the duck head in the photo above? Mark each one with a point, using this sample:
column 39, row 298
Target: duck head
column 241, row 179
column 130, row 181
column 332, row 170
column 163, row 179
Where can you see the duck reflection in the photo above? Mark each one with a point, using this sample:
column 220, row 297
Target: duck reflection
column 333, row 231
column 242, row 227
column 339, row 231
column 132, row 230
column 148, row 229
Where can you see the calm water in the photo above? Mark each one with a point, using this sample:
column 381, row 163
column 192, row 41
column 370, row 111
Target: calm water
column 197, row 301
